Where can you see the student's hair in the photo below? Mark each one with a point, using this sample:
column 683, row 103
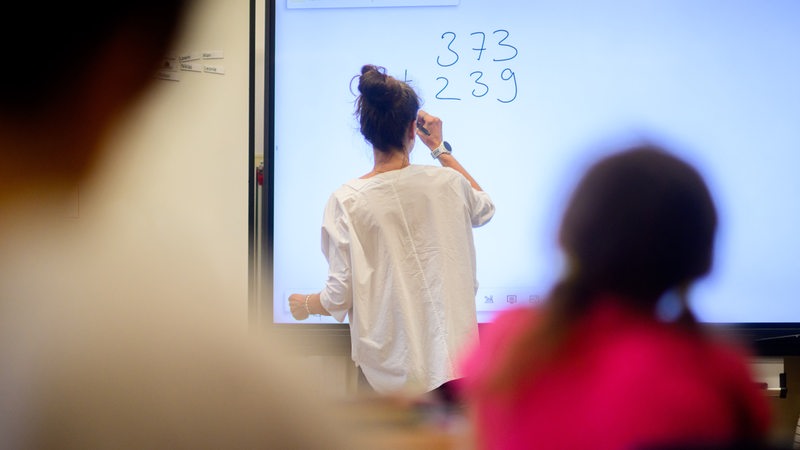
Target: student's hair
column 640, row 223
column 52, row 45
column 385, row 107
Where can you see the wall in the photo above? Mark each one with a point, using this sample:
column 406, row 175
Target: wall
column 787, row 410
column 177, row 175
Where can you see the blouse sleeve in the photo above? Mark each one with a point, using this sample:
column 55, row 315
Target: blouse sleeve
column 480, row 206
column 337, row 296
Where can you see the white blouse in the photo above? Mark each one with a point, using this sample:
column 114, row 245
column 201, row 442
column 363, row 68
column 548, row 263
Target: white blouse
column 402, row 266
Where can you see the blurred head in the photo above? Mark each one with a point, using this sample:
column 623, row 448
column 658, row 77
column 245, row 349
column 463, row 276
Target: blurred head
column 79, row 65
column 639, row 223
column 385, row 108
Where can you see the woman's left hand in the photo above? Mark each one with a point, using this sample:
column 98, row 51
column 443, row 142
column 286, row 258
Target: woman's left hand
column 297, row 304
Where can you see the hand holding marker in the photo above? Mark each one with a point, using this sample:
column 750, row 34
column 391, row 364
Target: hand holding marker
column 422, row 128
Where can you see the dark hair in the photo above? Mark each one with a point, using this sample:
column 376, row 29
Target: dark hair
column 53, row 44
column 640, row 223
column 385, row 107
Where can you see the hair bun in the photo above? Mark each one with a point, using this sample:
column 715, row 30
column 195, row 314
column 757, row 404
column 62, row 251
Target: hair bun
column 375, row 86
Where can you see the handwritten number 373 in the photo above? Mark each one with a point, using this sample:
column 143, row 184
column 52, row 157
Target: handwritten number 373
column 451, row 56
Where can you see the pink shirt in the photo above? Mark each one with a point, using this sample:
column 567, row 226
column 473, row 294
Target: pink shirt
column 624, row 381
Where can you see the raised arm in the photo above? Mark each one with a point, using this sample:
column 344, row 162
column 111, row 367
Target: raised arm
column 433, row 139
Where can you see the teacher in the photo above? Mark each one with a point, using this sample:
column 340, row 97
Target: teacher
column 400, row 248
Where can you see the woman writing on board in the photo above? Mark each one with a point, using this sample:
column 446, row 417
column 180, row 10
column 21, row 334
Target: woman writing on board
column 400, row 249
column 615, row 353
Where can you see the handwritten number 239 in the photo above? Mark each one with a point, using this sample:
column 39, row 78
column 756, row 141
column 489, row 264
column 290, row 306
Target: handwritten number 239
column 481, row 88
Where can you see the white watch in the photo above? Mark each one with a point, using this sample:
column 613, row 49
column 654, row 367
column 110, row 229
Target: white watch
column 443, row 148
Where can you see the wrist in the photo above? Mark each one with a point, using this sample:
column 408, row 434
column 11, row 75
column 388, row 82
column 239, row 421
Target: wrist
column 443, row 149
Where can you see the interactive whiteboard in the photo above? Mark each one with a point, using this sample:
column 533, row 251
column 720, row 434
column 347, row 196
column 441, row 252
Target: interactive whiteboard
column 531, row 93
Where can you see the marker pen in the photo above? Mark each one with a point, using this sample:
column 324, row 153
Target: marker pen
column 423, row 129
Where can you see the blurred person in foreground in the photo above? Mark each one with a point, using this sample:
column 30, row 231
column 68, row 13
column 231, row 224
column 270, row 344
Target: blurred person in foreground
column 104, row 344
column 615, row 359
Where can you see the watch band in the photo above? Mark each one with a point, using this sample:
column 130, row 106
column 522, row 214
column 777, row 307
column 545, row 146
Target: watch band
column 443, row 148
